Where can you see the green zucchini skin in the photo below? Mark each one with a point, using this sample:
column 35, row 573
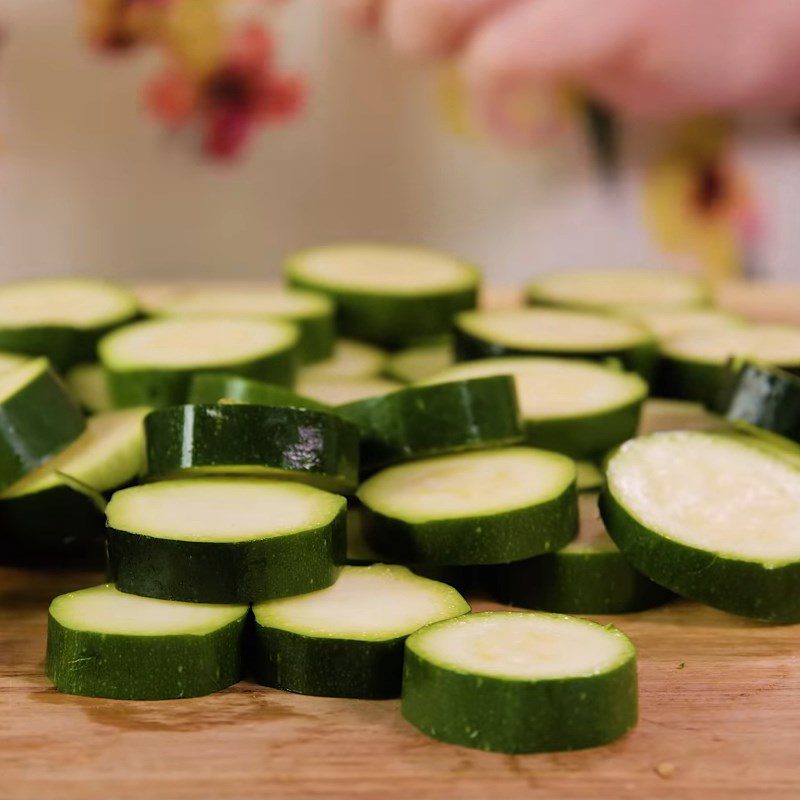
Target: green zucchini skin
column 328, row 667
column 227, row 572
column 317, row 335
column 213, row 387
column 313, row 446
column 694, row 381
column 491, row 539
column 432, row 420
column 640, row 358
column 37, row 422
column 143, row 667
column 508, row 716
column 747, row 588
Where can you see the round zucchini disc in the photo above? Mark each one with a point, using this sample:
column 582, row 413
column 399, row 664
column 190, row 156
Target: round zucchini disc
column 387, row 294
column 103, row 643
column 9, row 361
column 664, row 323
column 487, row 507
column 578, row 408
column 62, row 319
column 554, row 332
column 225, row 540
column 350, row 359
column 38, row 419
column 212, row 387
column 152, row 363
column 618, row 288
column 713, row 517
column 336, row 392
column 237, row 439
column 590, row 479
column 431, row 420
column 88, row 383
column 588, row 576
column 347, row 640
column 520, row 682
column 692, row 366
column 56, row 511
column 312, row 313
column 418, row 363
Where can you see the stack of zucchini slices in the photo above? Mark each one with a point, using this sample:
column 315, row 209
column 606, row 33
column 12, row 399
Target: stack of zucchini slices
column 276, row 501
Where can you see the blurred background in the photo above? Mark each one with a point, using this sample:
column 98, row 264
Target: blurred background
column 102, row 171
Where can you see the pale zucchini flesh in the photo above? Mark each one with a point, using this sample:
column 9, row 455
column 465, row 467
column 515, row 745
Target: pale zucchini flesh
column 350, row 359
column 337, row 392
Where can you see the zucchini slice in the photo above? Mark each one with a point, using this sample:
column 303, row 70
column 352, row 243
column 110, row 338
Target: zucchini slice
column 664, row 323
column 520, row 682
column 424, row 421
column 590, row 479
column 574, row 407
column 350, row 359
column 53, row 512
column 88, row 383
column 10, row 361
column 62, row 319
column 693, row 365
column 336, row 392
column 588, row 576
column 152, row 363
column 713, row 517
column 347, row 640
column 618, row 288
column 38, row 419
column 312, row 313
column 418, row 363
column 213, row 387
column 103, row 643
column 237, row 439
column 487, row 507
column 554, row 332
column 387, row 294
column 225, row 540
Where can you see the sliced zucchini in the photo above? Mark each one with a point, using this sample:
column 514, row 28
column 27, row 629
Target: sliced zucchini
column 488, row 507
column 38, row 419
column 63, row 318
column 424, row 421
column 387, row 294
column 53, row 513
column 616, row 288
column 336, row 392
column 665, row 323
column 350, row 359
column 347, row 640
column 225, row 540
column 418, row 363
column 88, row 383
column 103, row 643
column 588, row 576
column 520, row 682
column 312, row 313
column 692, row 365
column 574, row 407
column 676, row 415
column 553, row 332
column 213, row 387
column 152, row 363
column 238, row 439
column 590, row 479
column 713, row 517
column 10, row 361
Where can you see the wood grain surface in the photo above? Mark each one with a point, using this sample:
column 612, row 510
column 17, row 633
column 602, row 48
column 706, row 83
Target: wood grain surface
column 720, row 717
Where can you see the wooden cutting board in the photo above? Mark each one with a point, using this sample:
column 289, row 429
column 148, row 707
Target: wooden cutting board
column 720, row 716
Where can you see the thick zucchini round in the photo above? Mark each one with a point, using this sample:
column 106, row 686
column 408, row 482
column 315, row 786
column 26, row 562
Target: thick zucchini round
column 225, row 540
column 487, row 507
column 103, row 643
column 387, row 294
column 554, row 332
column 425, row 421
column 152, row 363
column 520, row 682
column 336, row 392
column 590, row 479
column 574, row 407
column 712, row 517
column 213, row 387
column 664, row 323
column 347, row 640
column 62, row 318
column 88, row 383
column 418, row 363
column 38, row 419
column 56, row 512
column 588, row 576
column 350, row 359
column 237, row 439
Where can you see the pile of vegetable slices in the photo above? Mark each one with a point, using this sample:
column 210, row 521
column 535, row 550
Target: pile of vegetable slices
column 271, row 500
